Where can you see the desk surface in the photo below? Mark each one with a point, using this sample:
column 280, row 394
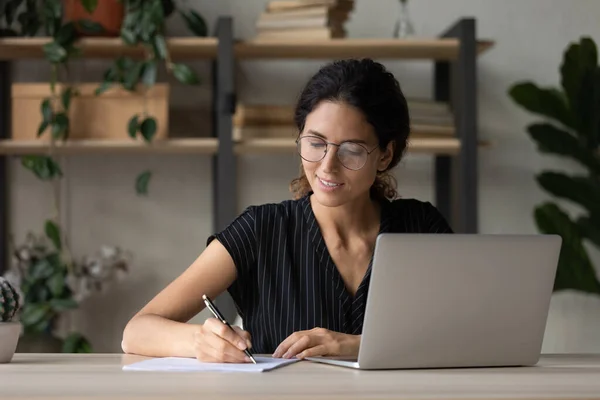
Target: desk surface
column 100, row 376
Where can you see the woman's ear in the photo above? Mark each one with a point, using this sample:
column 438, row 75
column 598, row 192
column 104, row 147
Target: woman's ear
column 386, row 157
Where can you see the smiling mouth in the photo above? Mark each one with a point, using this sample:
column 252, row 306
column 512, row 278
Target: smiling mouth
column 328, row 183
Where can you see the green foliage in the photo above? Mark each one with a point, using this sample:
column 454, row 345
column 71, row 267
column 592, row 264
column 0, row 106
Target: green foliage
column 44, row 277
column 10, row 301
column 572, row 131
column 144, row 25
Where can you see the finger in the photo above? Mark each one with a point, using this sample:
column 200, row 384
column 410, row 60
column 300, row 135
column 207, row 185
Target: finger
column 301, row 344
column 287, row 342
column 208, row 354
column 222, row 330
column 319, row 350
column 222, row 349
column 245, row 335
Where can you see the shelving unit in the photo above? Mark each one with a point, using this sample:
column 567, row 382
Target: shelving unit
column 170, row 146
column 187, row 48
column 454, row 54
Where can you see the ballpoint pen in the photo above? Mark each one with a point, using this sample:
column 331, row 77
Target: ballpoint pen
column 213, row 309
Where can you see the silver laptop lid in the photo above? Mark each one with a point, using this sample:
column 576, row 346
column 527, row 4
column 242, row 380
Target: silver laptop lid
column 452, row 300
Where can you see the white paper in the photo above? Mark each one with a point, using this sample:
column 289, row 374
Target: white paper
column 192, row 365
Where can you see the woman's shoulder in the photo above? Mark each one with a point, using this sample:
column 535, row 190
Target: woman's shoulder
column 411, row 214
column 281, row 209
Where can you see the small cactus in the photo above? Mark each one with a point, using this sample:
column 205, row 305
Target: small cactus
column 10, row 301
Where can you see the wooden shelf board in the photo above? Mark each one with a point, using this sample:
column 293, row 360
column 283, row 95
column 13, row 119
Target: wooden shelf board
column 439, row 49
column 169, row 146
column 12, row 48
column 448, row 146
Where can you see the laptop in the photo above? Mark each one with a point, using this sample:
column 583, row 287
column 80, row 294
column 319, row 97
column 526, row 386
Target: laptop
column 455, row 301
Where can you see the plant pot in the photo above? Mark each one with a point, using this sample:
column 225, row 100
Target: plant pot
column 9, row 336
column 108, row 13
column 103, row 117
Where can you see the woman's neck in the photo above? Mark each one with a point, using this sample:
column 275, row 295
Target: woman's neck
column 357, row 218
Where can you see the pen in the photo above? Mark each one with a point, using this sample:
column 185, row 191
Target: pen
column 213, row 309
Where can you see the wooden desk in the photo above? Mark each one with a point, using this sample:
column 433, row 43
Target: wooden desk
column 99, row 376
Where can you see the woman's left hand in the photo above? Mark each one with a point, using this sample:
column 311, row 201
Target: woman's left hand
column 318, row 342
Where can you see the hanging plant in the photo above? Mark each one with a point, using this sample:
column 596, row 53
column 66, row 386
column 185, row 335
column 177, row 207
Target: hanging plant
column 144, row 25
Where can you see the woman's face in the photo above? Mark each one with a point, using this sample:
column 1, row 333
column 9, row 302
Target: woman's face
column 333, row 183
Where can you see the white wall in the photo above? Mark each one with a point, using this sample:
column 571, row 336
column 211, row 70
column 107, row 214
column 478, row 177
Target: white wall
column 168, row 229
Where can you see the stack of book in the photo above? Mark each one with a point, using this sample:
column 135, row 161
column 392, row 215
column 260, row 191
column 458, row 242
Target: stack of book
column 303, row 19
column 429, row 119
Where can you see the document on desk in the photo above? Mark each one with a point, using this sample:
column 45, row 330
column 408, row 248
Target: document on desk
column 181, row 364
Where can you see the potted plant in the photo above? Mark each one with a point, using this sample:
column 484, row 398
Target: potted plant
column 10, row 328
column 50, row 286
column 571, row 131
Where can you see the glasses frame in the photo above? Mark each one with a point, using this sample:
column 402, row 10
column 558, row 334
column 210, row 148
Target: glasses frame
column 338, row 145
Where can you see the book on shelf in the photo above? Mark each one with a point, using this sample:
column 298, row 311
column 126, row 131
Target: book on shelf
column 303, row 19
column 428, row 119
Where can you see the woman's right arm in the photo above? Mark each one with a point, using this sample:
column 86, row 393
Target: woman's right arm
column 160, row 328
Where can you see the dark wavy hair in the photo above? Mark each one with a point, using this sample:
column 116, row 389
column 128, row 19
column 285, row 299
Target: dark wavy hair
column 368, row 86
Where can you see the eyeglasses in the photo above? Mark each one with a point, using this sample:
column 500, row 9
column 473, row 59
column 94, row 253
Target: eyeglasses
column 351, row 155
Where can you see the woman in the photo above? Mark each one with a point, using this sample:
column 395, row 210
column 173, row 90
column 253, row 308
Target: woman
column 299, row 270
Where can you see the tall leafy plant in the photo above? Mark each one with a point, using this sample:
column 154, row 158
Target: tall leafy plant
column 571, row 131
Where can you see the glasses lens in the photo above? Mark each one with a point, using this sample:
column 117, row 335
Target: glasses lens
column 312, row 148
column 352, row 155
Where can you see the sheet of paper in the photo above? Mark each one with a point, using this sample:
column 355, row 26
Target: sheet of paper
column 192, row 365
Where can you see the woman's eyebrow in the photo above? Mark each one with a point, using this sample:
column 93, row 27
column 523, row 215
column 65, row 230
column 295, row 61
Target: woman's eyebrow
column 315, row 133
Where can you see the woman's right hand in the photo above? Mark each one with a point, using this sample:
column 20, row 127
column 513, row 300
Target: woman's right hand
column 215, row 342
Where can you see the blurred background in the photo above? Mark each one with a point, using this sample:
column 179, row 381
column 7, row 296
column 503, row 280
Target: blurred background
column 144, row 216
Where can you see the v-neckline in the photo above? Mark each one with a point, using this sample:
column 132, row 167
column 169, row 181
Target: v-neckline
column 324, row 255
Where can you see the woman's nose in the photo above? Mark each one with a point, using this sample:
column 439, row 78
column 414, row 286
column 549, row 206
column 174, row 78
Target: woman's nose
column 330, row 162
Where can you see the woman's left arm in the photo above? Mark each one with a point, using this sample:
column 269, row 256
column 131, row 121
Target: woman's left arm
column 318, row 342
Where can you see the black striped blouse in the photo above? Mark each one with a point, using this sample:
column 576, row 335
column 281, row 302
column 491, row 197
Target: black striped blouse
column 286, row 278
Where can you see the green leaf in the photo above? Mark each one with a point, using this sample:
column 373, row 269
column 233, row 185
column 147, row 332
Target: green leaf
column 60, row 126
column 54, row 52
column 53, row 232
column 56, row 284
column 104, row 86
column 63, row 304
column 141, row 182
column 44, row 167
column 185, row 74
column 547, row 102
column 33, row 314
column 149, row 73
column 575, row 270
column 168, row 7
column 194, row 22
column 128, row 36
column 148, row 129
column 66, row 35
column 581, row 81
column 89, row 26
column 577, row 59
column 67, row 94
column 589, row 227
column 90, row 5
column 10, row 11
column 46, row 110
column 43, row 126
column 556, row 141
column 581, row 190
column 76, row 343
column 133, row 126
column 133, row 75
column 160, row 46
column 42, row 269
